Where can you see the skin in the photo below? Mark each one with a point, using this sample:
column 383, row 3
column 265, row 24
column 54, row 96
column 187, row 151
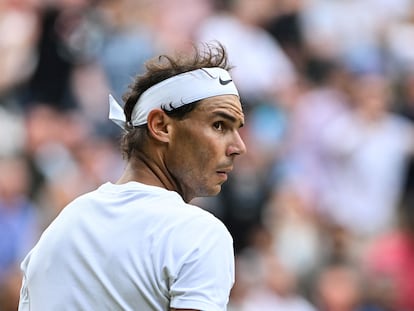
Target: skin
column 192, row 156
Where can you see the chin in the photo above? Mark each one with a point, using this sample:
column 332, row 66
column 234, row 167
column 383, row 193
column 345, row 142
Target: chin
column 211, row 192
column 216, row 190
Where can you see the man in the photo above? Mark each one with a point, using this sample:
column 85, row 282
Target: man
column 138, row 244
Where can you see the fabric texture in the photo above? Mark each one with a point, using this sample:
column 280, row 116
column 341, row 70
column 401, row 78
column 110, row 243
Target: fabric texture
column 130, row 247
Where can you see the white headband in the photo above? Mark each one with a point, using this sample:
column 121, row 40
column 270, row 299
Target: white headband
column 175, row 92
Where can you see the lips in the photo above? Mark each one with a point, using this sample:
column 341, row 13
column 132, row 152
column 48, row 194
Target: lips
column 223, row 173
column 224, row 170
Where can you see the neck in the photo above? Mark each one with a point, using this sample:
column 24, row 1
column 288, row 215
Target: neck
column 147, row 171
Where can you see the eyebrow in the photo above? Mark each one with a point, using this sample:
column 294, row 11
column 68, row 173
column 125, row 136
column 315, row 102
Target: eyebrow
column 229, row 117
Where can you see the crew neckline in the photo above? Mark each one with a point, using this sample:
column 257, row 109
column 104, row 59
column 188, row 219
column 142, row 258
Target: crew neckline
column 133, row 186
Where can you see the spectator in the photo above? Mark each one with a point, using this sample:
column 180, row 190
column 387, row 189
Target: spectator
column 277, row 291
column 19, row 226
column 366, row 162
column 248, row 46
column 339, row 287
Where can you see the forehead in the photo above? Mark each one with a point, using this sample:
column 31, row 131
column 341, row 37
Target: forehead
column 229, row 104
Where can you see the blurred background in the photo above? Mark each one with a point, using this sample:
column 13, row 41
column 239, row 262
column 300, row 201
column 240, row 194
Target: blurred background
column 321, row 208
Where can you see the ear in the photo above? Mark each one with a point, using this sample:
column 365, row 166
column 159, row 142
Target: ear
column 159, row 125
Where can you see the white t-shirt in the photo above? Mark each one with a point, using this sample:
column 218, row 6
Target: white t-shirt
column 130, row 247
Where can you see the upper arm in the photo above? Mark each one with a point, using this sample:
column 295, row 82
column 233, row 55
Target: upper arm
column 205, row 275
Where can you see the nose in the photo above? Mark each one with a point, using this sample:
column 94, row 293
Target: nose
column 237, row 146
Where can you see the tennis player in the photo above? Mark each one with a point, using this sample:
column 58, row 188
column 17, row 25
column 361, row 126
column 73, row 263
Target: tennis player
column 138, row 244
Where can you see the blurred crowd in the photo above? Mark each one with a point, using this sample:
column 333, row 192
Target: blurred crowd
column 321, row 208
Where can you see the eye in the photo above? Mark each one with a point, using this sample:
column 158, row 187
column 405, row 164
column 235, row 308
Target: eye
column 218, row 125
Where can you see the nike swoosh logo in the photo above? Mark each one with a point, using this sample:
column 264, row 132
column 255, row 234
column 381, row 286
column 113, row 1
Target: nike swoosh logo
column 224, row 82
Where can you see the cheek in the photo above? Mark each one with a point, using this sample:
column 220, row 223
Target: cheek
column 196, row 150
column 206, row 149
column 196, row 155
column 193, row 161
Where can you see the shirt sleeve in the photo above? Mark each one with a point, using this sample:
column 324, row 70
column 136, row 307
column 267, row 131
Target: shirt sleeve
column 204, row 275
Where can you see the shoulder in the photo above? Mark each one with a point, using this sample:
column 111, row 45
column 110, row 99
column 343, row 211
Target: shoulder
column 188, row 230
column 203, row 223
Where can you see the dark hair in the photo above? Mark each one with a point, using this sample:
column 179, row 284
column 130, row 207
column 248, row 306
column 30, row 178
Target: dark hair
column 159, row 69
